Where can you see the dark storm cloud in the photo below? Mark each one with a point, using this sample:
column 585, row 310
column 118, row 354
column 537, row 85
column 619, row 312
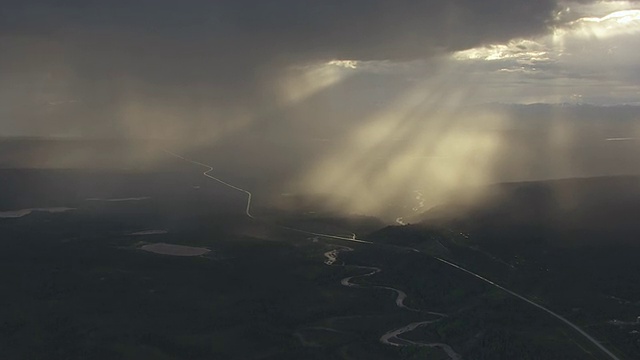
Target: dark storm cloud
column 228, row 52
column 277, row 30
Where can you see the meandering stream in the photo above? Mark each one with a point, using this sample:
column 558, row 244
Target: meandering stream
column 391, row 337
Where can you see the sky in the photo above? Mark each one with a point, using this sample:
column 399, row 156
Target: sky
column 391, row 85
column 86, row 68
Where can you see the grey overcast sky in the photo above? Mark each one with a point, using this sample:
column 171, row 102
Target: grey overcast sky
column 108, row 68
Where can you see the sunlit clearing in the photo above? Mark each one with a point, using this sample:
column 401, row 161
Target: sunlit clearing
column 582, row 59
column 617, row 23
column 521, row 49
column 349, row 64
column 573, row 10
column 548, row 48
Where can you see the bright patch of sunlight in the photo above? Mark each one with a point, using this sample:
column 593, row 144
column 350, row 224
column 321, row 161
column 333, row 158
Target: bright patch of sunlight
column 418, row 142
column 303, row 82
column 550, row 47
column 522, row 49
column 617, row 23
column 349, row 64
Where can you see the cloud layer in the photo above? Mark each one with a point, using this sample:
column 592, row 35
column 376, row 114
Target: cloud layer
column 226, row 54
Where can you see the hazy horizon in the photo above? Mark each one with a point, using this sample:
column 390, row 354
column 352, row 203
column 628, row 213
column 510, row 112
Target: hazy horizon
column 365, row 100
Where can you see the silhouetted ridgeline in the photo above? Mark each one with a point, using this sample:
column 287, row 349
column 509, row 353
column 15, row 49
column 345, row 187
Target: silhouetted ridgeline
column 593, row 211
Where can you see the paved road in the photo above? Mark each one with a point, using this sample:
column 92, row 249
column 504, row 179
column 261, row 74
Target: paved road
column 557, row 316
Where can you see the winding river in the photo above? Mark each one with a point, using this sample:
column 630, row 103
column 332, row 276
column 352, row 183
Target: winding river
column 391, row 337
